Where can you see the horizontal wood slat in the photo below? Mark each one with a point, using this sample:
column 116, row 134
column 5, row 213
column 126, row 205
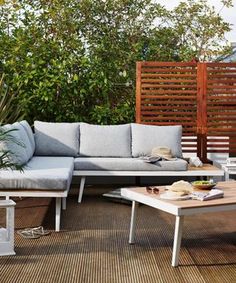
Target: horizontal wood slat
column 216, row 91
column 151, row 110
column 216, row 107
column 222, row 81
column 177, row 71
column 173, row 86
column 199, row 96
column 169, row 91
column 167, row 64
column 161, row 118
column 173, row 97
column 216, row 66
column 210, row 86
column 183, row 107
column 221, row 76
column 222, row 71
column 167, row 80
column 169, row 75
column 221, row 97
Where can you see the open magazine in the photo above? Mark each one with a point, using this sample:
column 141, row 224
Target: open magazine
column 212, row 194
column 154, row 159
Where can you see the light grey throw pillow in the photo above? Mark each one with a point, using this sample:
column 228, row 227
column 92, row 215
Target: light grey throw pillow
column 24, row 138
column 105, row 141
column 56, row 139
column 30, row 134
column 19, row 151
column 145, row 138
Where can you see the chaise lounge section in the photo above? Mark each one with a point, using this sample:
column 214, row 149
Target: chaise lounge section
column 43, row 176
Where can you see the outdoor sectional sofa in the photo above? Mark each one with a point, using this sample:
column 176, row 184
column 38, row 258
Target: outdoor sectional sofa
column 57, row 151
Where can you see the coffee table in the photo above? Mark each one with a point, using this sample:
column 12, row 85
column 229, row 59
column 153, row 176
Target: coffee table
column 178, row 208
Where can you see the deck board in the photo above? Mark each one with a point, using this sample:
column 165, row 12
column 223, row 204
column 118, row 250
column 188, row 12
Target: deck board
column 93, row 244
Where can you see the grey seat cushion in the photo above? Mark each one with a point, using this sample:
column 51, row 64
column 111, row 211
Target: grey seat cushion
column 56, row 139
column 41, row 173
column 127, row 164
column 145, row 138
column 105, row 141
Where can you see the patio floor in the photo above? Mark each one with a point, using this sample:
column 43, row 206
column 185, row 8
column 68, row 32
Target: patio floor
column 93, row 244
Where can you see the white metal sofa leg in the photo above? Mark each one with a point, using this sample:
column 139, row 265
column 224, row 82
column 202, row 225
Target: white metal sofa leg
column 58, row 214
column 81, row 189
column 226, row 175
column 64, row 203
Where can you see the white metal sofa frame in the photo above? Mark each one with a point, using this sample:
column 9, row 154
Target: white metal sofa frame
column 62, row 195
column 192, row 172
column 60, row 199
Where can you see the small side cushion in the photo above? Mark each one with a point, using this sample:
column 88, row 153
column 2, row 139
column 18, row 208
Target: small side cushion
column 56, row 139
column 18, row 146
column 105, row 141
column 30, row 133
column 145, row 138
column 41, row 173
column 127, row 164
column 24, row 139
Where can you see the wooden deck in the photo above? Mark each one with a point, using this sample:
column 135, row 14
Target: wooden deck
column 93, row 245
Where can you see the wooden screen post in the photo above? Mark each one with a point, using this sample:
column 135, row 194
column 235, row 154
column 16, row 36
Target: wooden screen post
column 201, row 111
column 138, row 92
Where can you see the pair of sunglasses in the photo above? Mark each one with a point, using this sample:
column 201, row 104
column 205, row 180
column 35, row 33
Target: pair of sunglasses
column 152, row 190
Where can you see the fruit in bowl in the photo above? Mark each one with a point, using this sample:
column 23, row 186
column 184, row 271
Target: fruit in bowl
column 203, row 185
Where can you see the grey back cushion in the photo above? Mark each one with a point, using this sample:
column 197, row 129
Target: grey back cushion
column 145, row 138
column 105, row 141
column 18, row 145
column 56, row 139
column 30, row 133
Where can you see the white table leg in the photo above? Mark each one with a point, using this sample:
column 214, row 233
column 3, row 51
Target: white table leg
column 133, row 222
column 177, row 240
column 226, row 175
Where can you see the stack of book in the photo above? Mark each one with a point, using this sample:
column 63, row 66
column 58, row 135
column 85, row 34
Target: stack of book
column 212, row 194
column 231, row 164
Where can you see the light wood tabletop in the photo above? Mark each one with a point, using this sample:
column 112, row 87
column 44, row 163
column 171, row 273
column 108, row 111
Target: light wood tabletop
column 229, row 189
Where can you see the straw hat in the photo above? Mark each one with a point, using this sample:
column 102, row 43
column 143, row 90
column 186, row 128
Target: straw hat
column 180, row 186
column 162, row 151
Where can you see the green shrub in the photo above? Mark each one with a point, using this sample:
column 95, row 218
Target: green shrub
column 75, row 60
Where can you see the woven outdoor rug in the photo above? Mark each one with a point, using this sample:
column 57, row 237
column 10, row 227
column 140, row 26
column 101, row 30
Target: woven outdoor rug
column 93, row 244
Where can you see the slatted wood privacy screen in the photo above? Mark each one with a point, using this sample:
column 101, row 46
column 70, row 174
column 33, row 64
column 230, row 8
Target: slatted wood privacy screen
column 199, row 96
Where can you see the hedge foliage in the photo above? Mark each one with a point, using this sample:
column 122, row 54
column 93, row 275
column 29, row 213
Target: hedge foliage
column 75, row 60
